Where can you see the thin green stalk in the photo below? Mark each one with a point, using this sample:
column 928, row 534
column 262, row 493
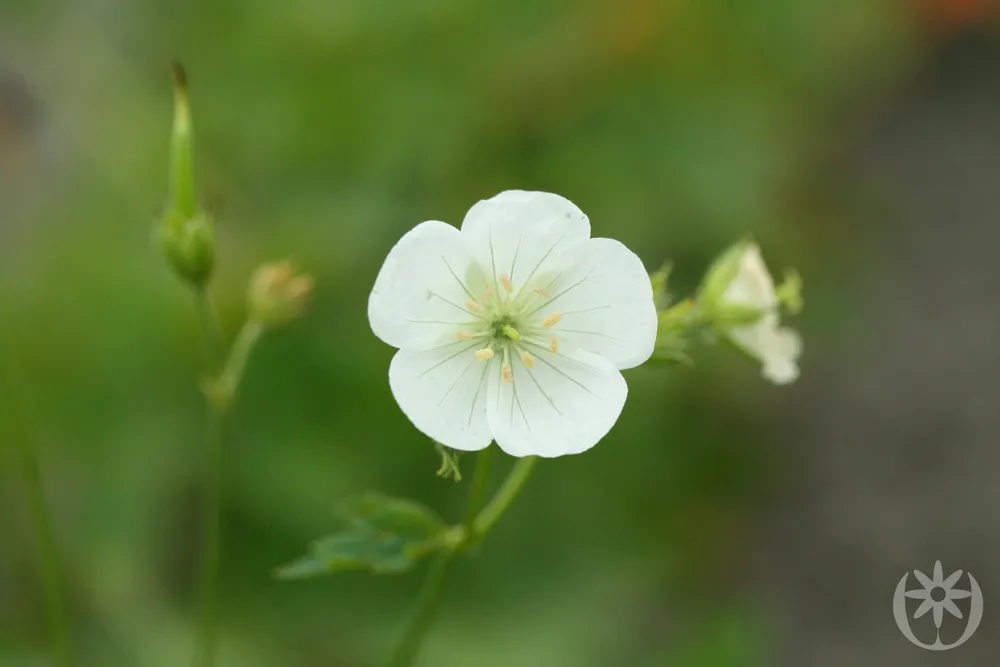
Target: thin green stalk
column 220, row 391
column 477, row 525
column 477, row 487
column 211, row 331
column 50, row 560
column 505, row 496
column 204, row 654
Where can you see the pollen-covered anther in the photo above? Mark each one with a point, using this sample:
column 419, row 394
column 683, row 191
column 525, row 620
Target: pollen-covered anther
column 484, row 354
column 527, row 360
column 474, row 306
column 508, row 374
column 551, row 319
column 465, row 335
column 507, row 284
column 541, row 291
column 554, row 345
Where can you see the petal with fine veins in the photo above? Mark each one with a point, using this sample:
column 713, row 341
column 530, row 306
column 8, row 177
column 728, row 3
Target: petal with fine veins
column 563, row 404
column 604, row 302
column 518, row 233
column 421, row 294
column 443, row 392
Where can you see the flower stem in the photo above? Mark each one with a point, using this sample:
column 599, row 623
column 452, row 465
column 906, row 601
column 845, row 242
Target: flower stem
column 220, row 392
column 477, row 524
column 204, row 653
column 211, row 331
column 505, row 496
column 50, row 561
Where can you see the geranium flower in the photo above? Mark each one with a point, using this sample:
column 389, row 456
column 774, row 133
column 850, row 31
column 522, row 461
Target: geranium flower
column 777, row 348
column 515, row 328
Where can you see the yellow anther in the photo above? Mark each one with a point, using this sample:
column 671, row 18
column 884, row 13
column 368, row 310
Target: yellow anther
column 541, row 291
column 464, row 335
column 474, row 306
column 484, row 354
column 508, row 374
column 507, row 284
column 554, row 345
column 511, row 332
column 527, row 360
column 551, row 319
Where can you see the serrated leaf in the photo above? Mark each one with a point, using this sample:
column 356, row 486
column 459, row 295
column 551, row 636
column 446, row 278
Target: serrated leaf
column 383, row 535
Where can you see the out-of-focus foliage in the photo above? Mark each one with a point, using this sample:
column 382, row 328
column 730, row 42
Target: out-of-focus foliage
column 324, row 130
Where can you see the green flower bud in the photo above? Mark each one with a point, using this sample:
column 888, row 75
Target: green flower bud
column 186, row 234
column 189, row 244
column 277, row 294
column 720, row 274
column 182, row 197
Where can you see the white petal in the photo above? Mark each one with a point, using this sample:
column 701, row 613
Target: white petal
column 605, row 302
column 563, row 405
column 753, row 285
column 420, row 295
column 519, row 233
column 781, row 360
column 778, row 349
column 443, row 392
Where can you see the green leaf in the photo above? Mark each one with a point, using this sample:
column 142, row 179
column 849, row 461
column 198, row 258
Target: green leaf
column 382, row 535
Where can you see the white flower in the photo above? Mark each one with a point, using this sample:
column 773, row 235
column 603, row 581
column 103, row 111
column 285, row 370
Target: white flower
column 513, row 329
column 777, row 348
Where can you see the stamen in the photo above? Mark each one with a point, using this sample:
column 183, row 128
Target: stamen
column 542, row 291
column 484, row 354
column 554, row 345
column 551, row 319
column 511, row 332
column 508, row 374
column 527, row 360
column 505, row 281
column 474, row 306
column 465, row 335
column 487, row 294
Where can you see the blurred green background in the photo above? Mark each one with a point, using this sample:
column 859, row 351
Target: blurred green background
column 325, row 130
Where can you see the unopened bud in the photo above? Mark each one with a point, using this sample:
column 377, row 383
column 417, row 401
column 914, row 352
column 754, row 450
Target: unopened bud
column 278, row 294
column 182, row 197
column 721, row 273
column 189, row 243
column 186, row 233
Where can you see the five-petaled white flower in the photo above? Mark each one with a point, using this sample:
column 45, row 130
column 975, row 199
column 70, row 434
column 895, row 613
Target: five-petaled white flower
column 777, row 348
column 948, row 594
column 515, row 328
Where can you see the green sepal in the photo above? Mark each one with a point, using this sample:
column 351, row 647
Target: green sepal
column 659, row 280
column 789, row 292
column 721, row 274
column 189, row 244
column 449, row 462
